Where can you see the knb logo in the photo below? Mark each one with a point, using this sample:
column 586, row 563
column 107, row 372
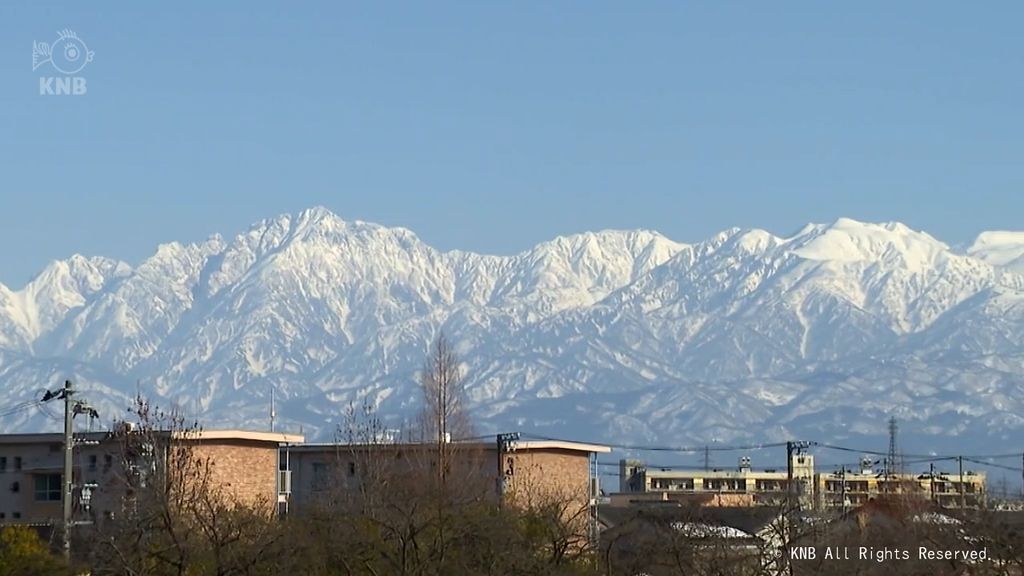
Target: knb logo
column 68, row 55
column 803, row 553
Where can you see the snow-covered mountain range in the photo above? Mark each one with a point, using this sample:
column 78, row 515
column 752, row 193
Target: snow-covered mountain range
column 621, row 336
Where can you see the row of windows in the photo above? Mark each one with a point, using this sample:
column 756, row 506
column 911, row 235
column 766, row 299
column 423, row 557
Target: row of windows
column 322, row 474
column 860, row 486
column 3, row 463
column 48, row 487
column 734, row 485
column 92, row 460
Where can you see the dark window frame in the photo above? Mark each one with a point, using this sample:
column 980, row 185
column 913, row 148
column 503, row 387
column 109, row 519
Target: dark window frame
column 47, row 488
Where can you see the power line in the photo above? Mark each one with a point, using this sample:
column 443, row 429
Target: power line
column 924, row 457
column 1014, row 455
column 915, row 458
column 19, row 408
column 683, row 449
column 1000, row 466
column 48, row 412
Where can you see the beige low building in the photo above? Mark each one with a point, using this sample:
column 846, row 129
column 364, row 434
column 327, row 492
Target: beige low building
column 745, row 486
column 244, row 464
column 850, row 488
column 742, row 485
column 527, row 472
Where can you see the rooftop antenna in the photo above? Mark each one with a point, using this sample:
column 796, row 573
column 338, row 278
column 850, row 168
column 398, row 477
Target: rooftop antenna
column 273, row 409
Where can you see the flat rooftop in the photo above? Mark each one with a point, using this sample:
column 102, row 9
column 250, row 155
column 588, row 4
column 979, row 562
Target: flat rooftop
column 521, row 445
column 200, row 435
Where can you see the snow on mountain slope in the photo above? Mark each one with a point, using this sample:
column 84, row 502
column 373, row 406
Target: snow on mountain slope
column 126, row 323
column 579, row 270
column 747, row 303
column 1000, row 248
column 14, row 333
column 313, row 285
column 46, row 300
column 613, row 335
column 64, row 285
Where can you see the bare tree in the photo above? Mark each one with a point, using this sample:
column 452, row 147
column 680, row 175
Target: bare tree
column 444, row 416
column 169, row 513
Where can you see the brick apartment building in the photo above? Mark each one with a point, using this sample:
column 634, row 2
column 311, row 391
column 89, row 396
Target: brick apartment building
column 264, row 468
column 524, row 471
column 244, row 464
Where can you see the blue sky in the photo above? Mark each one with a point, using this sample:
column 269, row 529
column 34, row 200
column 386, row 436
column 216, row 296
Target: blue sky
column 492, row 126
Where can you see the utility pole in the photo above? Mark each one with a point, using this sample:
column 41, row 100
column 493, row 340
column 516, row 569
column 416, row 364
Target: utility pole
column 71, row 409
column 707, row 458
column 789, row 475
column 788, row 518
column 843, row 484
column 931, row 480
column 500, row 481
column 595, row 495
column 963, row 501
column 68, row 480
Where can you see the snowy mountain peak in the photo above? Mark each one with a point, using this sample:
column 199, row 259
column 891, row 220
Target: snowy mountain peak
column 1000, row 248
column 610, row 335
column 62, row 286
column 847, row 240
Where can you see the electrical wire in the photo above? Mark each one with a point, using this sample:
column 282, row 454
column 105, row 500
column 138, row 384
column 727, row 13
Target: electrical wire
column 915, row 459
column 1000, row 466
column 48, row 411
column 682, row 449
column 20, row 408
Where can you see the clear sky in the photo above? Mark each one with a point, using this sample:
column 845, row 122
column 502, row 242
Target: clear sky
column 492, row 126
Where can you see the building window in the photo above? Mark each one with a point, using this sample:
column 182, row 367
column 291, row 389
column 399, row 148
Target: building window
column 351, row 468
column 3, row 463
column 319, row 476
column 15, row 487
column 108, row 461
column 17, row 462
column 16, row 515
column 48, row 488
column 92, row 462
column 3, row 515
